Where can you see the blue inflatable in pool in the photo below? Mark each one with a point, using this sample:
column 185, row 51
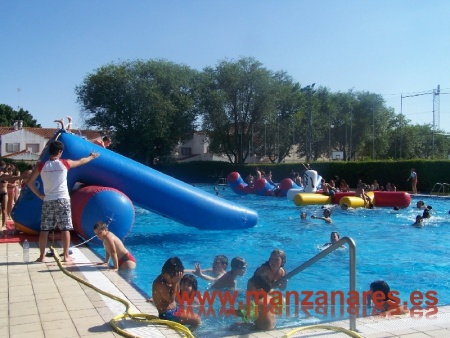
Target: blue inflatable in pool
column 144, row 186
column 92, row 203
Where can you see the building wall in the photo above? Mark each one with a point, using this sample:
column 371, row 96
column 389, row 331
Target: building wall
column 23, row 138
column 199, row 152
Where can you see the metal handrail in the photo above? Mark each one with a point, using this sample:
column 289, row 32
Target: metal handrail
column 441, row 186
column 323, row 253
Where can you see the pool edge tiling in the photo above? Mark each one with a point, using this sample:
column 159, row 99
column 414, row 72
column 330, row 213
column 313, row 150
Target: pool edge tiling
column 41, row 301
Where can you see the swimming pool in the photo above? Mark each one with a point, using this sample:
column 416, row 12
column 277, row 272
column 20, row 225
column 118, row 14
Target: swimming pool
column 388, row 247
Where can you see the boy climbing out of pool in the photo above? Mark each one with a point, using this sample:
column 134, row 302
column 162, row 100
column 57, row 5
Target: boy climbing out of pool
column 165, row 289
column 228, row 280
column 218, row 269
column 115, row 250
column 383, row 301
column 326, row 216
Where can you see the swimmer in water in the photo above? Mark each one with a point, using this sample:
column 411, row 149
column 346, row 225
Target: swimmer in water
column 326, row 216
column 334, row 237
column 426, row 212
column 418, row 222
column 420, row 204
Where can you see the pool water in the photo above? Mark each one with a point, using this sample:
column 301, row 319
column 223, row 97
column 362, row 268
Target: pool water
column 387, row 247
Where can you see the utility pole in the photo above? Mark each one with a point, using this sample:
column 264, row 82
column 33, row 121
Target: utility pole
column 373, row 133
column 18, row 97
column 309, row 91
column 351, row 134
column 436, row 117
column 436, row 112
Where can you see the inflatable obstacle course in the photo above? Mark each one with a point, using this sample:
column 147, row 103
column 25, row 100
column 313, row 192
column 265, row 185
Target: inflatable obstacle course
column 400, row 199
column 286, row 187
column 142, row 185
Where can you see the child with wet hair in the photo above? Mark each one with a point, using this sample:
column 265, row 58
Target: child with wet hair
column 165, row 288
column 426, row 212
column 188, row 289
column 218, row 269
column 334, row 237
column 418, row 222
column 273, row 268
column 383, row 300
column 228, row 280
column 260, row 309
column 326, row 216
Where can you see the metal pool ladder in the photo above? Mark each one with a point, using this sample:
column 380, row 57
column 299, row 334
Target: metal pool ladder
column 327, row 251
column 441, row 186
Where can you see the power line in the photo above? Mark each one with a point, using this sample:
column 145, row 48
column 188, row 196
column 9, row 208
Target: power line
column 430, row 91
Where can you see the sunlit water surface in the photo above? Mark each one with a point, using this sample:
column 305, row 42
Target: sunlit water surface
column 388, row 248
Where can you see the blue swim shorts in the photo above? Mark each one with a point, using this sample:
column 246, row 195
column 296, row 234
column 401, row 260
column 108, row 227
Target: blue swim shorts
column 173, row 315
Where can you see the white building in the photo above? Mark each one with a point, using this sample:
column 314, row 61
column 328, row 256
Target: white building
column 26, row 144
column 196, row 149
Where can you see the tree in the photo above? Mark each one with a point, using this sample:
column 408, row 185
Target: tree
column 146, row 106
column 8, row 116
column 285, row 121
column 244, row 105
column 372, row 120
column 234, row 97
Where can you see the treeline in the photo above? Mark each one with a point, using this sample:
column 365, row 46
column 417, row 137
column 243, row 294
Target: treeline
column 245, row 111
column 8, row 116
column 394, row 172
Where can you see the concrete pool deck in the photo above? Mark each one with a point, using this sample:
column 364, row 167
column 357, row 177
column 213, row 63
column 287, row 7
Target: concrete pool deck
column 39, row 301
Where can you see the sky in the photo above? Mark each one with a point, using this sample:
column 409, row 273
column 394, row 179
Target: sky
column 395, row 48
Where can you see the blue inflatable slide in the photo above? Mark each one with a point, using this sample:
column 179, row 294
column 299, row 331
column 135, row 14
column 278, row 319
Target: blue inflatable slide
column 145, row 187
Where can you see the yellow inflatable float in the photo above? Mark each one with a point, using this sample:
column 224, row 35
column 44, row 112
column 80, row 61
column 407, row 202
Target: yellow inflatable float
column 306, row 198
column 356, row 202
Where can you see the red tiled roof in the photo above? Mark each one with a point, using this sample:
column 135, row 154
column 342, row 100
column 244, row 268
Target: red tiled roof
column 6, row 130
column 48, row 133
column 16, row 153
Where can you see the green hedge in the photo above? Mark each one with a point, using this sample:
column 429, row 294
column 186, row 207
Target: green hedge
column 396, row 172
